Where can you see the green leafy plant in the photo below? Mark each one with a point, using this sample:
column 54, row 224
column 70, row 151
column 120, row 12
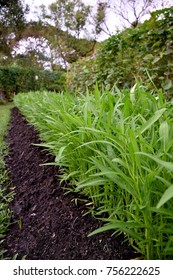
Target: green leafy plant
column 116, row 148
column 130, row 55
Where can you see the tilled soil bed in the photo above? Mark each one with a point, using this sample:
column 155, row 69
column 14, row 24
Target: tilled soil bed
column 46, row 223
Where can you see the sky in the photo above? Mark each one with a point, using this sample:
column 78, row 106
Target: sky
column 113, row 21
column 47, row 2
column 111, row 18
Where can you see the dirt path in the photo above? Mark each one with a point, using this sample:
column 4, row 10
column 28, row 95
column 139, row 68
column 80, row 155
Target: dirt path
column 46, row 224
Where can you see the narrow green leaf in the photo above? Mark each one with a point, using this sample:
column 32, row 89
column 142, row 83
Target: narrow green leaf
column 164, row 134
column 134, row 149
column 165, row 164
column 91, row 182
column 125, row 227
column 152, row 120
column 168, row 194
column 59, row 156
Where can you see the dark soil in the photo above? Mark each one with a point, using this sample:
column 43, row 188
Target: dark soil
column 46, row 223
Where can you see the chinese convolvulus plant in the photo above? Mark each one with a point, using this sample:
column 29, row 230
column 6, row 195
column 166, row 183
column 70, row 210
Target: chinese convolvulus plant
column 116, row 147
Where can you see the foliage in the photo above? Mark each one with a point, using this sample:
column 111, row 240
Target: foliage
column 12, row 13
column 115, row 147
column 82, row 75
column 12, row 22
column 68, row 15
column 15, row 79
column 5, row 213
column 63, row 45
column 67, row 47
column 131, row 54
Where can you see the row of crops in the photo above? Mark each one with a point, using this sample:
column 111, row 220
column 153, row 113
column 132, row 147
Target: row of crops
column 116, row 148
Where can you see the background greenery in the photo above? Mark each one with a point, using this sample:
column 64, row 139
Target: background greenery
column 144, row 53
column 14, row 79
column 130, row 55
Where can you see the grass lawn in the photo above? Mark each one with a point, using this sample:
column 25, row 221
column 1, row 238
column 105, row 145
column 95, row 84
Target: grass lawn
column 5, row 213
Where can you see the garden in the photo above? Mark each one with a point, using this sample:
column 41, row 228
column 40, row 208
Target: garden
column 87, row 155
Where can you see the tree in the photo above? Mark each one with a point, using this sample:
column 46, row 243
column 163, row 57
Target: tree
column 67, row 15
column 67, row 22
column 12, row 22
column 133, row 11
column 58, row 29
column 13, row 13
column 99, row 19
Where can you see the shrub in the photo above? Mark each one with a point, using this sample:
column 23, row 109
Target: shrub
column 15, row 79
column 132, row 52
column 131, row 55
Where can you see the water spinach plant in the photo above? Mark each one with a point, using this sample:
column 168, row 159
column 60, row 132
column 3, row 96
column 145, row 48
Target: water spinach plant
column 116, row 147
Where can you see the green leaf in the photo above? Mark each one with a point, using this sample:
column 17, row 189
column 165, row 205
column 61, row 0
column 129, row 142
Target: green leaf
column 165, row 164
column 164, row 134
column 148, row 57
column 167, row 85
column 152, row 120
column 168, row 194
column 59, row 156
column 126, row 227
column 156, row 59
column 91, row 182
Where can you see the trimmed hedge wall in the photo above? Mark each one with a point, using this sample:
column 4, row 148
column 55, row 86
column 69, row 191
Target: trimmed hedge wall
column 14, row 79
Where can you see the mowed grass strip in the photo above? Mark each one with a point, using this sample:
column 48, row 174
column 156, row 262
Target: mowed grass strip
column 5, row 213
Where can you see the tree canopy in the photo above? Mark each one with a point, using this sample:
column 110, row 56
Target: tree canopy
column 13, row 13
column 12, row 22
column 62, row 33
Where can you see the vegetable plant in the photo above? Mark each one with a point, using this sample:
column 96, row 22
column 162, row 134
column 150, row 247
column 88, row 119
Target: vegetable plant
column 116, row 147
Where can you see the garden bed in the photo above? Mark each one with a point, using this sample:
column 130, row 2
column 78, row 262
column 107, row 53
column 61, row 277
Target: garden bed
column 46, row 223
